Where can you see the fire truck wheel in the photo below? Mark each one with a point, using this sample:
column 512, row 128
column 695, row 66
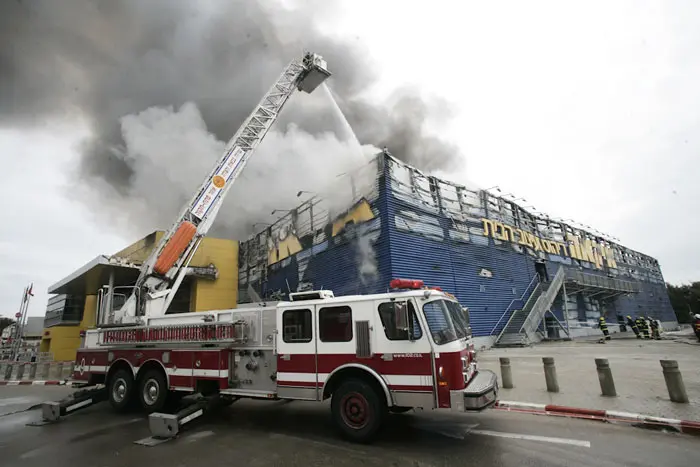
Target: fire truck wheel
column 120, row 388
column 153, row 390
column 357, row 410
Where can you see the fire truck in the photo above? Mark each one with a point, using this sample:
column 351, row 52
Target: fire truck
column 409, row 348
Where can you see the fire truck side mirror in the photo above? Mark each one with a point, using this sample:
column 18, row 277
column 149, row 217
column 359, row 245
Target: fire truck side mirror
column 402, row 319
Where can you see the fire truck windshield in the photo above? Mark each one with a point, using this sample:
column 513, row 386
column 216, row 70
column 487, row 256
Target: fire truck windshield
column 446, row 321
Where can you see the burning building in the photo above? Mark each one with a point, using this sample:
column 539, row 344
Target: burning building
column 523, row 277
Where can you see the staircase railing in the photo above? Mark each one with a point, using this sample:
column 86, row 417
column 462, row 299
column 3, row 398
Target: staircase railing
column 535, row 280
column 544, row 302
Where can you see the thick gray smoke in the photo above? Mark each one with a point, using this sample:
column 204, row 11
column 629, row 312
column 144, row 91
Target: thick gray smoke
column 163, row 84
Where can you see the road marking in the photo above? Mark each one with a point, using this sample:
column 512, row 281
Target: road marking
column 321, row 444
column 197, row 436
column 545, row 439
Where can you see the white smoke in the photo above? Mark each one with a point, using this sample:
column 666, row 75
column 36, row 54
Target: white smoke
column 366, row 258
column 172, row 152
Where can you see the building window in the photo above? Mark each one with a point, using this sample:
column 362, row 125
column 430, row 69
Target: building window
column 335, row 324
column 389, row 313
column 296, row 326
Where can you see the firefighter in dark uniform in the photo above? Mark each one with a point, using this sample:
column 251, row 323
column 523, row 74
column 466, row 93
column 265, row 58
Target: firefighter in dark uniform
column 633, row 325
column 654, row 329
column 642, row 325
column 604, row 327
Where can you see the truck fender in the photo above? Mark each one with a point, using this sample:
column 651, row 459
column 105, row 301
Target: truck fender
column 375, row 375
column 152, row 362
column 120, row 361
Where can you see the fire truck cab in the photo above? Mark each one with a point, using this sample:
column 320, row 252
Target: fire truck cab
column 371, row 354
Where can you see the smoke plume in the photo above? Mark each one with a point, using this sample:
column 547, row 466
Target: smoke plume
column 163, row 84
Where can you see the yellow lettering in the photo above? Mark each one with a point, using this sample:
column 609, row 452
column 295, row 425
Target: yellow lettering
column 610, row 257
column 509, row 233
column 488, row 227
column 522, row 237
column 586, row 251
column 574, row 247
column 500, row 232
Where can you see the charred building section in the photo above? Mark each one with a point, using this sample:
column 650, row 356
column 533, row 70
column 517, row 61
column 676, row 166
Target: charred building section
column 523, row 276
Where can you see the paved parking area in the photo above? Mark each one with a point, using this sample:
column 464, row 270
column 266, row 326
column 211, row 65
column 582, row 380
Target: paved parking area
column 300, row 434
column 635, row 366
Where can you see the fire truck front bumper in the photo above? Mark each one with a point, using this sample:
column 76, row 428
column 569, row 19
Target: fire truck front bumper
column 481, row 393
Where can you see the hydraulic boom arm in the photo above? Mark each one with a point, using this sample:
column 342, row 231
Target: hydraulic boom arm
column 163, row 272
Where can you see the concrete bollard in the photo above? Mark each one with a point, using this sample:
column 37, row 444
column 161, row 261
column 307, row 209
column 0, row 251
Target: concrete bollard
column 43, row 372
column 506, row 374
column 607, row 384
column 67, row 370
column 550, row 374
column 3, row 368
column 32, row 370
column 17, row 371
column 56, row 370
column 26, row 371
column 8, row 372
column 674, row 381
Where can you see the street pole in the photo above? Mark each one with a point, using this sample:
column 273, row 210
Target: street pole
column 15, row 331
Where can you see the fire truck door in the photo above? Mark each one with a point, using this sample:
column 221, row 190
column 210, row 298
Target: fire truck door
column 297, row 375
column 404, row 352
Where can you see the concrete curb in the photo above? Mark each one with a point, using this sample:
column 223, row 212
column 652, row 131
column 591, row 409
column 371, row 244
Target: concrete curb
column 36, row 383
column 682, row 426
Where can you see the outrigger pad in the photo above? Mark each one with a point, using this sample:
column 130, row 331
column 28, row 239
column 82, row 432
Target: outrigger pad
column 163, row 425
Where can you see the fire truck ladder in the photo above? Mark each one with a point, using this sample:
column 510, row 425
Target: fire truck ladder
column 162, row 273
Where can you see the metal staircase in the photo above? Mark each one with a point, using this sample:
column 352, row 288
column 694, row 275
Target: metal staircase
column 523, row 325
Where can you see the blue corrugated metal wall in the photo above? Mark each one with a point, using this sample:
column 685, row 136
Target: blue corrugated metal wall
column 411, row 237
column 455, row 267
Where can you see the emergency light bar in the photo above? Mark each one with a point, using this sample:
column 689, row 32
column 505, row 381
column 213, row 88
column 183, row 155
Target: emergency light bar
column 406, row 284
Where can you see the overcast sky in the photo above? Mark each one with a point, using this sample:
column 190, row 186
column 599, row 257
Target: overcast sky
column 589, row 110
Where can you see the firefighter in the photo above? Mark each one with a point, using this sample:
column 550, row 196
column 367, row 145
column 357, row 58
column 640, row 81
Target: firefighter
column 654, row 329
column 604, row 327
column 645, row 327
column 640, row 325
column 633, row 325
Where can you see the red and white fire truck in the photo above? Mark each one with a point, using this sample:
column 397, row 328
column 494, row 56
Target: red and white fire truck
column 370, row 354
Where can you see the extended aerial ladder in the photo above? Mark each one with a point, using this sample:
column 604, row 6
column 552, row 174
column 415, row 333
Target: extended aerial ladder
column 162, row 273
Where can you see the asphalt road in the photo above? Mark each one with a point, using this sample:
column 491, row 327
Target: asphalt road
column 300, row 434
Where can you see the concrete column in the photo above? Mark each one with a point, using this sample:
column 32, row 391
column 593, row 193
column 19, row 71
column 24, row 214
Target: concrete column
column 605, row 377
column 550, row 374
column 674, row 381
column 506, row 375
column 6, row 371
column 32, row 370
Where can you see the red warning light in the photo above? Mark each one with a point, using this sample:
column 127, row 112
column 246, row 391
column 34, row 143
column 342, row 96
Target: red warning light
column 406, row 284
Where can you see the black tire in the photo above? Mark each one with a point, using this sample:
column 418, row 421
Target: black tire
column 397, row 409
column 120, row 390
column 358, row 411
column 153, row 390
